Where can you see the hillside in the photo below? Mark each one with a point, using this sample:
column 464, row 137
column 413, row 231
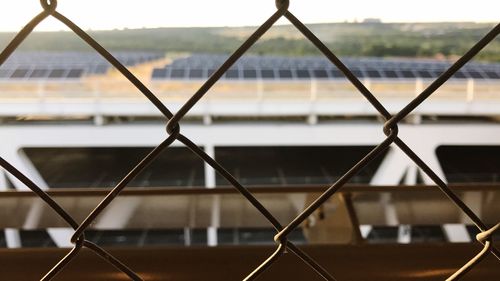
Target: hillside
column 346, row 39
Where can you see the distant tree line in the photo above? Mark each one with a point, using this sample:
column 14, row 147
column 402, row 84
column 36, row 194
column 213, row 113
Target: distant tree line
column 378, row 40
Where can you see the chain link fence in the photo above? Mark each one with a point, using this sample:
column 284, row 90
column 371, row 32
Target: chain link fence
column 173, row 132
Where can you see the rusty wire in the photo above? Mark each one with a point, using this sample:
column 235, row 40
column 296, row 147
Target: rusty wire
column 173, row 130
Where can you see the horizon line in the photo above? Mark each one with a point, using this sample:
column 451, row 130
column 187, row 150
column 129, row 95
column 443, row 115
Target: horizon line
column 277, row 24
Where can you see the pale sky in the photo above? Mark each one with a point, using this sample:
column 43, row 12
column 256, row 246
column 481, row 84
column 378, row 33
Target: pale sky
column 112, row 14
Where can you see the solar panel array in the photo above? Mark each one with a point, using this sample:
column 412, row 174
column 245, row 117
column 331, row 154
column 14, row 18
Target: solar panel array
column 65, row 65
column 201, row 66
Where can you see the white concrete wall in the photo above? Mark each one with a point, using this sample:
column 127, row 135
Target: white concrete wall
column 423, row 139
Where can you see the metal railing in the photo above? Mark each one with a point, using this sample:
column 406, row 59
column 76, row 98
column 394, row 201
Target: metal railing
column 173, row 130
column 112, row 88
column 188, row 207
column 111, row 96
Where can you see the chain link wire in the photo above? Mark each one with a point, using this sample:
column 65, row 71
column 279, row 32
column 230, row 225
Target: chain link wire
column 173, row 130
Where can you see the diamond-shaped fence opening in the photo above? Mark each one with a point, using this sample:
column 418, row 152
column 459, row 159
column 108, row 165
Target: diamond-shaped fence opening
column 173, row 130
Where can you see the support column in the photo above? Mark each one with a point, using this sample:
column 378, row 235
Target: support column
column 365, row 230
column 99, row 120
column 3, row 181
column 12, row 238
column 260, row 90
column 404, row 234
column 427, row 152
column 209, row 172
column 456, row 233
column 415, row 119
column 118, row 214
column 207, row 119
column 187, row 236
column 424, row 146
column 419, row 86
column 368, row 83
column 390, row 172
column 34, row 215
column 470, row 90
column 212, row 238
column 17, row 158
column 61, row 236
column 312, row 119
column 392, row 169
column 192, row 204
column 391, row 215
column 474, row 200
column 411, row 175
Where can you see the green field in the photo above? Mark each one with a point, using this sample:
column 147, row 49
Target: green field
column 442, row 40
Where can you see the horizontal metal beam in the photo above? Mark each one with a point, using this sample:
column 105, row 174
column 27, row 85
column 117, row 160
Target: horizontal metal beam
column 150, row 191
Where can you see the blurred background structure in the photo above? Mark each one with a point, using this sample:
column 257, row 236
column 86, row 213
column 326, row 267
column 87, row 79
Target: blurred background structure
column 76, row 127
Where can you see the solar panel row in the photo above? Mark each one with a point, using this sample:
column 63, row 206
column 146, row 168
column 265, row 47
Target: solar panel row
column 42, row 73
column 317, row 73
column 271, row 67
column 65, row 65
column 69, row 58
column 200, row 60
